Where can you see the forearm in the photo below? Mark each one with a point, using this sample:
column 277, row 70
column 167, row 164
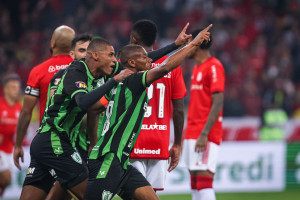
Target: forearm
column 178, row 120
column 169, row 64
column 159, row 53
column 212, row 117
column 92, row 126
column 23, row 123
column 84, row 101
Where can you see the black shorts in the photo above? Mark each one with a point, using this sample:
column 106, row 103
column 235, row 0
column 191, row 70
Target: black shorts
column 83, row 153
column 107, row 178
column 45, row 166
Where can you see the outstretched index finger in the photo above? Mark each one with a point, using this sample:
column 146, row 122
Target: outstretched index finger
column 207, row 28
column 186, row 26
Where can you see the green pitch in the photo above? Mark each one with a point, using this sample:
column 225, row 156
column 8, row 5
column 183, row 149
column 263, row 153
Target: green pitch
column 289, row 194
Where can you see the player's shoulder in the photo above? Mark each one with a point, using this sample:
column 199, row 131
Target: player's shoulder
column 215, row 61
column 77, row 65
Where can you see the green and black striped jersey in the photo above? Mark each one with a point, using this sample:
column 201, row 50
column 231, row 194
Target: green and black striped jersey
column 62, row 114
column 123, row 118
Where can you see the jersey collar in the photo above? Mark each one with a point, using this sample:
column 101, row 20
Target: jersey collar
column 90, row 76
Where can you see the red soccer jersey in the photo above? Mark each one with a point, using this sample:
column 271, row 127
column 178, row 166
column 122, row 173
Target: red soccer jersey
column 9, row 116
column 153, row 140
column 207, row 78
column 40, row 76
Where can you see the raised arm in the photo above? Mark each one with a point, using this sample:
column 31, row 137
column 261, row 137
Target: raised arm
column 177, row 58
column 182, row 39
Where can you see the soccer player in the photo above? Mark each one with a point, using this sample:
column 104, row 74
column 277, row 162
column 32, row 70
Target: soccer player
column 9, row 113
column 109, row 168
column 78, row 51
column 151, row 151
column 51, row 151
column 79, row 46
column 38, row 83
column 204, row 126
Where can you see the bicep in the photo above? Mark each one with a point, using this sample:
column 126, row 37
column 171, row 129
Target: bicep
column 29, row 103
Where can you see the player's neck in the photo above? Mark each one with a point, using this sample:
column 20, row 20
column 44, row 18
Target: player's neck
column 57, row 52
column 201, row 57
column 10, row 101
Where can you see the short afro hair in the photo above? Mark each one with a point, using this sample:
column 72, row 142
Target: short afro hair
column 205, row 45
column 128, row 52
column 97, row 44
column 147, row 31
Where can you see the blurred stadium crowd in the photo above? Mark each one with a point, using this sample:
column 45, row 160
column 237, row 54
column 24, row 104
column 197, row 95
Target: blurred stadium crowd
column 258, row 41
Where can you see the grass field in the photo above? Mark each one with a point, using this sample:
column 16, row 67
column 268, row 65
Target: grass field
column 290, row 194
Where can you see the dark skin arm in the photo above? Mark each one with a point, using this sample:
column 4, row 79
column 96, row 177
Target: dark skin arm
column 92, row 126
column 23, row 123
column 177, row 58
column 178, row 119
column 217, row 105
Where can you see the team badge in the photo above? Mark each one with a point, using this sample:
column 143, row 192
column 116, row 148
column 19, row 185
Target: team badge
column 76, row 157
column 81, row 84
column 106, row 195
column 56, row 81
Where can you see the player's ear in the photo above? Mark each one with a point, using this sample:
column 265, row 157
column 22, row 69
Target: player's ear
column 95, row 56
column 72, row 54
column 133, row 40
column 131, row 63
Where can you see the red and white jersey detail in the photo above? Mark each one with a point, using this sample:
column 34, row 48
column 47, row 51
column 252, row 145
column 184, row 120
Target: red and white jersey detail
column 9, row 116
column 153, row 140
column 207, row 78
column 40, row 76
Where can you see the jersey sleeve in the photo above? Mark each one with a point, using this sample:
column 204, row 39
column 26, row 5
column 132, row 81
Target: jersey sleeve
column 56, row 79
column 178, row 85
column 74, row 82
column 33, row 83
column 216, row 78
column 137, row 82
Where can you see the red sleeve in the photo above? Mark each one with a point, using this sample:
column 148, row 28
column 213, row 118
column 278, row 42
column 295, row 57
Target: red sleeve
column 33, row 79
column 217, row 78
column 179, row 89
column 33, row 83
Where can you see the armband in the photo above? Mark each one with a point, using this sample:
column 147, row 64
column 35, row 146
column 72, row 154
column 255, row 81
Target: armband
column 32, row 91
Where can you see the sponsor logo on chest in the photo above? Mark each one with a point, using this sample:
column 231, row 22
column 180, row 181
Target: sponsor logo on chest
column 53, row 68
column 154, row 127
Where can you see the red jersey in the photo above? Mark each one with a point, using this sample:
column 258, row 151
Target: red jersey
column 207, row 78
column 9, row 116
column 40, row 76
column 153, row 140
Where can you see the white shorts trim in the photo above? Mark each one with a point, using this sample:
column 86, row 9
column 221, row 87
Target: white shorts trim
column 202, row 161
column 153, row 170
column 6, row 161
